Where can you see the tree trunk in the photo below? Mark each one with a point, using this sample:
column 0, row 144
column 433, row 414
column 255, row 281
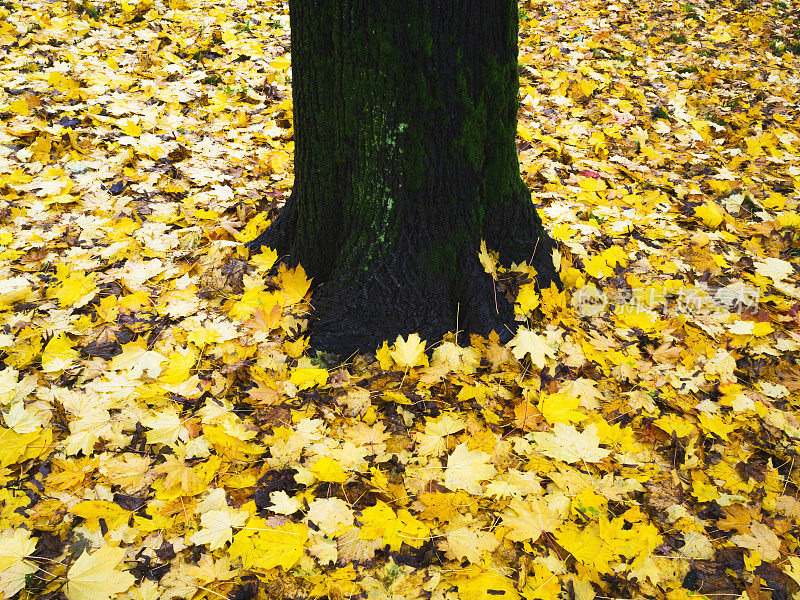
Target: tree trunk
column 405, row 158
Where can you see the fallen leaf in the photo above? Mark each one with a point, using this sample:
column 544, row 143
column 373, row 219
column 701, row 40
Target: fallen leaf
column 528, row 342
column 94, row 576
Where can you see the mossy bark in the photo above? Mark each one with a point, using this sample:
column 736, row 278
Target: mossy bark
column 405, row 158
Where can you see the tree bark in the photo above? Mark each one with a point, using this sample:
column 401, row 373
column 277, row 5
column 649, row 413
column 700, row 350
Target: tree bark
column 405, row 158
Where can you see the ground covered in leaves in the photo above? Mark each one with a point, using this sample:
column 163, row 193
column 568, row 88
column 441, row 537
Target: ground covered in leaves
column 166, row 435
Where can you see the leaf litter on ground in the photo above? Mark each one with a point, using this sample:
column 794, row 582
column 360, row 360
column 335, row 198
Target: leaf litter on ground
column 165, row 433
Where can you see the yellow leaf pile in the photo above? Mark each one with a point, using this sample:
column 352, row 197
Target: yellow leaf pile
column 164, row 432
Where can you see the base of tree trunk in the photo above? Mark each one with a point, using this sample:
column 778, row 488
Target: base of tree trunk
column 356, row 310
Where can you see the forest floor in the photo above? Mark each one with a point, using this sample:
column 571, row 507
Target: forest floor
column 165, row 435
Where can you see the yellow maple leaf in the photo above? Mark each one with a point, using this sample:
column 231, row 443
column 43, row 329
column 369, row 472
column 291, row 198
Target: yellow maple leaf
column 629, row 535
column 792, row 568
column 560, row 408
column 305, row 378
column 592, row 184
column 395, row 528
column 646, row 568
column 184, row 479
column 229, row 439
column 528, row 342
column 716, row 425
column 596, row 266
column 330, row 515
column 13, row 290
column 752, row 560
column 710, row 213
column 527, row 416
column 23, row 419
column 723, row 364
column 217, row 527
column 327, row 469
column 570, row 445
column 264, row 261
column 13, row 445
column 774, row 268
column 524, row 132
column 453, row 357
column 294, row 284
column 280, row 64
column 586, row 390
column 760, row 538
column 527, row 298
column 283, row 504
column 529, row 520
column 165, row 427
column 279, row 161
column 58, row 354
column 475, row 582
column 130, row 127
column 74, row 288
column 93, row 510
column 61, row 82
column 675, row 424
column 467, row 468
column 208, row 570
column 15, row 546
column 175, row 186
column 128, row 470
column 138, row 360
column 761, row 329
column 788, row 219
column 95, row 576
column 488, row 260
column 384, row 356
column 639, row 135
column 151, row 146
column 585, row 544
column 264, row 548
column 409, row 353
column 774, row 202
column 19, row 107
column 251, row 299
column 589, row 301
column 295, row 348
column 180, row 366
column 615, row 256
column 434, row 440
column 467, row 542
column 642, row 320
column 543, row 584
